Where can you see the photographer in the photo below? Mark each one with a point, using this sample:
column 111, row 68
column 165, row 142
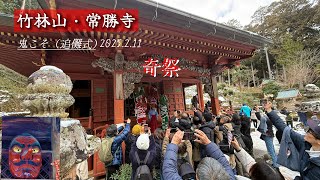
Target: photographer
column 184, row 148
column 116, row 149
column 143, row 152
column 224, row 137
column 215, row 167
column 308, row 146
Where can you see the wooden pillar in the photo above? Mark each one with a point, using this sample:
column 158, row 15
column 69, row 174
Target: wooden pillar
column 214, row 99
column 118, row 89
column 200, row 96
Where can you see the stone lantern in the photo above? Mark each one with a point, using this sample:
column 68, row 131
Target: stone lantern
column 48, row 96
column 312, row 101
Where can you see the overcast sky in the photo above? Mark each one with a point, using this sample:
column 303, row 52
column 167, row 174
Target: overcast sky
column 219, row 10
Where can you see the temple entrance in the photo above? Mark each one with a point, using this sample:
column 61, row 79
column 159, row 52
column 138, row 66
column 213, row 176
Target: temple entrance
column 82, row 94
column 189, row 91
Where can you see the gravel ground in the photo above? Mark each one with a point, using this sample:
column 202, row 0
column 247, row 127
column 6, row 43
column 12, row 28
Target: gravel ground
column 259, row 146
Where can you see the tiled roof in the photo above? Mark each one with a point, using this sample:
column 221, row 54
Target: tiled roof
column 288, row 94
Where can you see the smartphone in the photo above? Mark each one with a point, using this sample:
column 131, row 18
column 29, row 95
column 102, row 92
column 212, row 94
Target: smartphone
column 189, row 136
column 173, row 130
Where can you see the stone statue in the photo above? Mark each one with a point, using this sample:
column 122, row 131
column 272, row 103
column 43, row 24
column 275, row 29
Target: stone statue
column 312, row 101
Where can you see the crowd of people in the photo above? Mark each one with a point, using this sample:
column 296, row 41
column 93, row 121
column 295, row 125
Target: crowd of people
column 207, row 147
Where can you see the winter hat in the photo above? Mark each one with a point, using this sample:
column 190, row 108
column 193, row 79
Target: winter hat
column 136, row 129
column 315, row 126
column 143, row 142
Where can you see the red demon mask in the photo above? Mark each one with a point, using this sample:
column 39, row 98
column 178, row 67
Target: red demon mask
column 25, row 159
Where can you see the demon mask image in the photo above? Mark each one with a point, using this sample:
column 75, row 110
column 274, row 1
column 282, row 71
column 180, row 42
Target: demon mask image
column 25, row 159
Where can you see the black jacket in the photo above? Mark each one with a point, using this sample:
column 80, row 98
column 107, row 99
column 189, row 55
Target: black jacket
column 198, row 114
column 131, row 139
column 245, row 130
column 208, row 129
column 245, row 126
column 142, row 154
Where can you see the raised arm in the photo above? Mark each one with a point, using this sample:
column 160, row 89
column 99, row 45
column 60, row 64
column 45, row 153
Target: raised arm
column 123, row 136
column 169, row 169
column 280, row 125
column 246, row 160
column 165, row 141
column 214, row 151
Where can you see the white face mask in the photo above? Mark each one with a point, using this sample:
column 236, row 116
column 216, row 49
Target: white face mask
column 313, row 154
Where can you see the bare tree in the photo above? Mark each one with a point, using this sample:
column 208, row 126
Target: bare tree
column 303, row 69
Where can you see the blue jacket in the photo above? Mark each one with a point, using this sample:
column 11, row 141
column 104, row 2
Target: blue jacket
column 309, row 167
column 170, row 170
column 288, row 154
column 246, row 110
column 116, row 148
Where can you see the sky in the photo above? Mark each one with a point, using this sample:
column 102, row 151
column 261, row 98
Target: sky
column 219, row 10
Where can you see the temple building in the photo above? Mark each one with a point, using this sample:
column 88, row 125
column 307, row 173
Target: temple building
column 107, row 81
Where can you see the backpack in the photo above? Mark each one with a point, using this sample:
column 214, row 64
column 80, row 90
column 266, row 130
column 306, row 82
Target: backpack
column 143, row 171
column 185, row 169
column 105, row 154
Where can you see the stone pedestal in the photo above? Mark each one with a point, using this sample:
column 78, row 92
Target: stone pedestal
column 75, row 145
column 48, row 96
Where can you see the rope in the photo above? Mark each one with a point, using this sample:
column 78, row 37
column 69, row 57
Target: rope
column 215, row 30
column 156, row 12
column 23, row 4
column 115, row 4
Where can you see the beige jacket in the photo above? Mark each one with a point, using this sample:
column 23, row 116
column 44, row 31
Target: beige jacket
column 188, row 144
column 246, row 160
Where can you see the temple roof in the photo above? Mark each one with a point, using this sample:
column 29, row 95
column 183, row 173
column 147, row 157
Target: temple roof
column 170, row 16
column 293, row 93
column 169, row 32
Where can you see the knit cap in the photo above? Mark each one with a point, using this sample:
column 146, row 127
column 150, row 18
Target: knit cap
column 143, row 142
column 136, row 129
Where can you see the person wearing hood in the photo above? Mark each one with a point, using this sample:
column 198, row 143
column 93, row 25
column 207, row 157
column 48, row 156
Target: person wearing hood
column 308, row 146
column 144, row 145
